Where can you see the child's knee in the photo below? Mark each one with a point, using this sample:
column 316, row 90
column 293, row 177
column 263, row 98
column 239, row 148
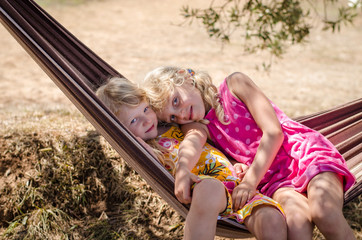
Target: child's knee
column 326, row 186
column 276, row 220
column 264, row 220
column 209, row 194
column 270, row 214
column 209, row 187
column 326, row 215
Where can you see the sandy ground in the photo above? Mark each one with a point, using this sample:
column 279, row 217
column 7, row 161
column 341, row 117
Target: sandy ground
column 135, row 36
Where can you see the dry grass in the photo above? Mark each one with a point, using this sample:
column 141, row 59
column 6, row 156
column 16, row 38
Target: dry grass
column 74, row 186
column 63, row 181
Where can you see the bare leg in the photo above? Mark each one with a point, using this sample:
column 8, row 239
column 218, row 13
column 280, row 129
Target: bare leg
column 266, row 222
column 208, row 200
column 325, row 195
column 297, row 213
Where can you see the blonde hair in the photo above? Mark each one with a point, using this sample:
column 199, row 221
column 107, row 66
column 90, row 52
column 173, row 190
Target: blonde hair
column 161, row 82
column 117, row 92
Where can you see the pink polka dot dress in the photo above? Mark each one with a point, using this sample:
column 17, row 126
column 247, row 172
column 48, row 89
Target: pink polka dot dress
column 303, row 154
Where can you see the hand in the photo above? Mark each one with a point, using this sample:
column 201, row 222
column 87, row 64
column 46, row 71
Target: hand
column 242, row 194
column 183, row 181
column 240, row 170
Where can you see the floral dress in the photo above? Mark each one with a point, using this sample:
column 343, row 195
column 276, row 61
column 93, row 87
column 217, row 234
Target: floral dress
column 304, row 152
column 214, row 164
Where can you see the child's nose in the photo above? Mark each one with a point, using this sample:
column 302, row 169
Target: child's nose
column 183, row 114
column 146, row 120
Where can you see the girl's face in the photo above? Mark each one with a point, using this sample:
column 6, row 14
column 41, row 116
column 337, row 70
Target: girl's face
column 140, row 120
column 184, row 105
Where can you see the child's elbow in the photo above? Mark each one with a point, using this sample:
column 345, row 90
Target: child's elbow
column 278, row 135
column 275, row 135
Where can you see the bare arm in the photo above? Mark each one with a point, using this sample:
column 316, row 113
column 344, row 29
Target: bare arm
column 191, row 146
column 264, row 115
column 189, row 154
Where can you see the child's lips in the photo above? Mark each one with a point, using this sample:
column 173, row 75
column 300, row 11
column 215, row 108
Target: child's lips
column 191, row 112
column 150, row 129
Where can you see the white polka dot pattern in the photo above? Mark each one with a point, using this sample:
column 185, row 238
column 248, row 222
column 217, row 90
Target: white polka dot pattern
column 304, row 152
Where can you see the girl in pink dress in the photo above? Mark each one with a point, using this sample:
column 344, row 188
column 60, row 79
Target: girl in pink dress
column 293, row 164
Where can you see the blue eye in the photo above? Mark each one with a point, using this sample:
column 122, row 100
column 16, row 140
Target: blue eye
column 133, row 120
column 172, row 118
column 175, row 101
column 146, row 108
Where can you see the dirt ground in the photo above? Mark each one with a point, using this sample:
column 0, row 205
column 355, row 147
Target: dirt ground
column 135, row 36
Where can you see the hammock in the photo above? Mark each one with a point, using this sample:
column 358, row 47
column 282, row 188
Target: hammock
column 78, row 72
